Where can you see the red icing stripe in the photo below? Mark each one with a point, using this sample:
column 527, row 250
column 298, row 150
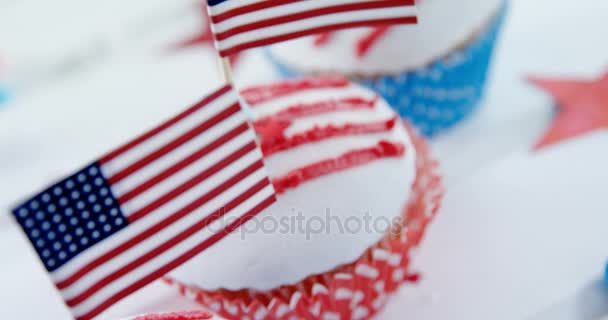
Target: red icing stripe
column 193, row 315
column 323, row 39
column 384, row 149
column 366, row 43
column 271, row 142
column 310, row 109
column 258, row 94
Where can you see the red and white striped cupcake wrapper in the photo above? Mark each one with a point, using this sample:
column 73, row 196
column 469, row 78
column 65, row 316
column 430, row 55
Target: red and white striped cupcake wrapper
column 191, row 315
column 355, row 291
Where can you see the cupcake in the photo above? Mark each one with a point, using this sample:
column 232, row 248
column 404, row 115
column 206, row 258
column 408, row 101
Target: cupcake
column 356, row 189
column 432, row 73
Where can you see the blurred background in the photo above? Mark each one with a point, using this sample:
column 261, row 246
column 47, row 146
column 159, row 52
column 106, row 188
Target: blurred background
column 78, row 77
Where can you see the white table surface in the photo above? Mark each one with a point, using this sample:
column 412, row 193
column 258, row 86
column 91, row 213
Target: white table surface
column 520, row 236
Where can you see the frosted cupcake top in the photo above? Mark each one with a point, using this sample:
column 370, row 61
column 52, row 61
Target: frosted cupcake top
column 343, row 166
column 443, row 26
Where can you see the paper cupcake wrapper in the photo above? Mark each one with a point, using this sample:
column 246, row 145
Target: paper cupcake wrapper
column 441, row 94
column 191, row 315
column 355, row 291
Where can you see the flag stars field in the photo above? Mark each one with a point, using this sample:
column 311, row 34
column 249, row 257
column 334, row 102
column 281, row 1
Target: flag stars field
column 53, row 214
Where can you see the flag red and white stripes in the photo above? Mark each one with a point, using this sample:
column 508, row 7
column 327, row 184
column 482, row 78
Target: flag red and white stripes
column 141, row 211
column 244, row 24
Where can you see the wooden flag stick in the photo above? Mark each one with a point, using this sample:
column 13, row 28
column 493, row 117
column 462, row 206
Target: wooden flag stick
column 226, row 69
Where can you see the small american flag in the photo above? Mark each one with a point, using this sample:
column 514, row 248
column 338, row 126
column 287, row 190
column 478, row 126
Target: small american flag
column 244, row 24
column 149, row 206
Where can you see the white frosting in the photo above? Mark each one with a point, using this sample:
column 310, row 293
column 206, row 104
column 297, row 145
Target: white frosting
column 443, row 26
column 267, row 260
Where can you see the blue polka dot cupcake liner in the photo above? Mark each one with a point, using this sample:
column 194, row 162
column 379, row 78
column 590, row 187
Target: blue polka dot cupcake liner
column 442, row 94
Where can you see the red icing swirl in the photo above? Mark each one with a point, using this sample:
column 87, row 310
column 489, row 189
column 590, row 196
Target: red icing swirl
column 368, row 41
column 310, row 109
column 258, row 94
column 364, row 44
column 358, row 157
column 273, row 140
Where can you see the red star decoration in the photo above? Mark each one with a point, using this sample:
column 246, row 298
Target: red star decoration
column 582, row 107
column 206, row 35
